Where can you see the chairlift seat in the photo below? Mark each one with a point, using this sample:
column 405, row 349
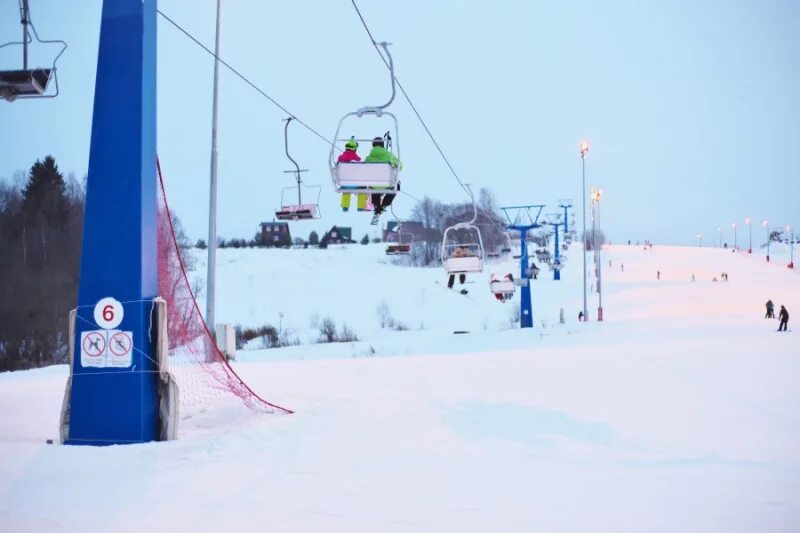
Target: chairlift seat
column 398, row 249
column 365, row 177
column 297, row 212
column 503, row 286
column 458, row 265
column 14, row 83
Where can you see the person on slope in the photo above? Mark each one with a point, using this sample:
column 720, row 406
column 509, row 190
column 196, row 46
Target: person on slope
column 350, row 156
column 770, row 310
column 379, row 154
column 784, row 317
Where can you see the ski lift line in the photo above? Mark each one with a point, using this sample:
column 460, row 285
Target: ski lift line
column 243, row 77
column 408, row 99
column 265, row 95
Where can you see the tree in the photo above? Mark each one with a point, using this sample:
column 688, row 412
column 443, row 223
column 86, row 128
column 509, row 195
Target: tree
column 313, row 238
column 365, row 239
column 41, row 221
column 201, row 244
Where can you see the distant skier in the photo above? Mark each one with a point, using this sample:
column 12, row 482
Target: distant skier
column 658, row 274
column 784, row 317
column 580, row 316
column 770, row 310
column 693, row 277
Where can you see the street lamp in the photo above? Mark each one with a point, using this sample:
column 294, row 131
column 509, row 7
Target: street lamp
column 584, row 148
column 700, row 240
column 750, row 232
column 765, row 223
column 719, row 230
column 597, row 193
column 791, row 246
column 734, row 236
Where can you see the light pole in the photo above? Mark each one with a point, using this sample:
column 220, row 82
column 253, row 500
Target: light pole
column 734, row 236
column 597, row 193
column 700, row 240
column 791, row 246
column 750, row 232
column 719, row 230
column 212, row 217
column 765, row 223
column 584, row 147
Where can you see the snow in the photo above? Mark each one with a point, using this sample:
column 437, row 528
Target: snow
column 678, row 413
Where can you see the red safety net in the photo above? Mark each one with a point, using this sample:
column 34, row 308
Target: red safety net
column 201, row 370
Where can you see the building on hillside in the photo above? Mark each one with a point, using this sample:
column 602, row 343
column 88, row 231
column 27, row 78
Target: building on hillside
column 339, row 235
column 411, row 230
column 276, row 234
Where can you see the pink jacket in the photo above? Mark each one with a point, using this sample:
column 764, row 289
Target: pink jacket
column 349, row 156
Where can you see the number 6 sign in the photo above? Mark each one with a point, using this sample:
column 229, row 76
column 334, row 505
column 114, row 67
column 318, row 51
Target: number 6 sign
column 108, row 313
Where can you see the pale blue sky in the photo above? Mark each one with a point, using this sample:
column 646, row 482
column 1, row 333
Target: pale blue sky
column 692, row 107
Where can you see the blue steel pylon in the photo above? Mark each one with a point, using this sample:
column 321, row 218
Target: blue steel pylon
column 523, row 221
column 553, row 220
column 114, row 381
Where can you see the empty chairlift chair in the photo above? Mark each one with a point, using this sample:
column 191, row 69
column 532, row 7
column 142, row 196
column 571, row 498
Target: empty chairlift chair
column 404, row 240
column 297, row 211
column 29, row 82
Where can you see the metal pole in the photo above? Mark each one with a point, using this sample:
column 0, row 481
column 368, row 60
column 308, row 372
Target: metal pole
column 212, row 218
column 583, row 237
column 766, row 227
column 599, row 272
column 25, row 22
column 750, row 231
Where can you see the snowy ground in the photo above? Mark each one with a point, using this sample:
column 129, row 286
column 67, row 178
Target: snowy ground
column 678, row 413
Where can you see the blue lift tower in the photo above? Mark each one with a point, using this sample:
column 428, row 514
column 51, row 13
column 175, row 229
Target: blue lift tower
column 565, row 205
column 554, row 219
column 523, row 219
column 114, row 383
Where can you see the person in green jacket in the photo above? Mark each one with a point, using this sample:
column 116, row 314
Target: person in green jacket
column 379, row 154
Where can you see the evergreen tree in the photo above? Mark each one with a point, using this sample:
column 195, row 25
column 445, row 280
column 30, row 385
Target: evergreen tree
column 313, row 238
column 365, row 239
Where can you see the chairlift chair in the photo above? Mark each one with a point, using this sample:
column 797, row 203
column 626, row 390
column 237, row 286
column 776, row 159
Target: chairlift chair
column 455, row 264
column 503, row 286
column 400, row 247
column 29, row 82
column 296, row 211
column 368, row 178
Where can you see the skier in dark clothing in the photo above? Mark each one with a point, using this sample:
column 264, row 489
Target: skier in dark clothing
column 770, row 309
column 784, row 316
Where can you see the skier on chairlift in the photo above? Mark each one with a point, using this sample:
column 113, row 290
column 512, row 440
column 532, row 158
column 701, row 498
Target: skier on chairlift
column 379, row 154
column 350, row 156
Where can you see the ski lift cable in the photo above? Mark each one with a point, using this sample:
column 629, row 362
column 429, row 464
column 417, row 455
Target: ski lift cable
column 243, row 77
column 258, row 89
column 410, row 103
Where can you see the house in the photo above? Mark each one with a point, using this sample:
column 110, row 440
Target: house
column 411, row 230
column 276, row 234
column 339, row 235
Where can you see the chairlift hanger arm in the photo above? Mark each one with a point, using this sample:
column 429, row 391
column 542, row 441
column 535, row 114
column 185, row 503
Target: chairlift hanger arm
column 286, row 148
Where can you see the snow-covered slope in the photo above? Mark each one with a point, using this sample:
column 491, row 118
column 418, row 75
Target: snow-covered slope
column 678, row 413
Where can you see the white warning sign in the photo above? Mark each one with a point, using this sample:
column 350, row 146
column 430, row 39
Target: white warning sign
column 120, row 348
column 106, row 348
column 94, row 346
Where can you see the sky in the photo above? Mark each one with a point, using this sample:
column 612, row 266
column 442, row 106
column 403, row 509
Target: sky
column 690, row 107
